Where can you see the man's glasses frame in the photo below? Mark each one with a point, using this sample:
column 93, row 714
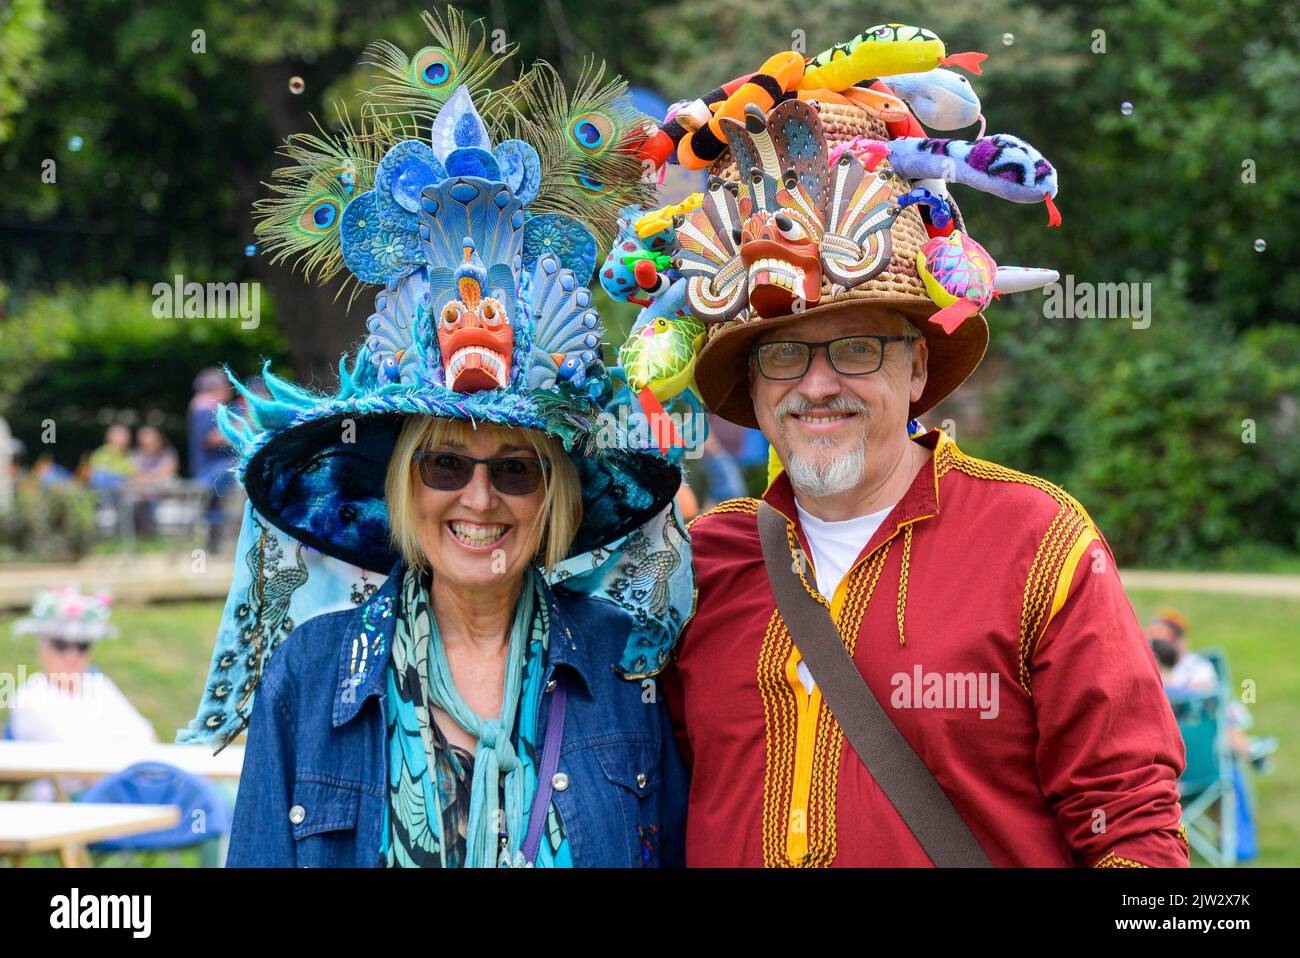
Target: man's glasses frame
column 457, row 475
column 829, row 345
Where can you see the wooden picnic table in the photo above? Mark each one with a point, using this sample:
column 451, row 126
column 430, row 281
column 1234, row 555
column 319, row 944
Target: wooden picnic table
column 67, row 827
column 28, row 761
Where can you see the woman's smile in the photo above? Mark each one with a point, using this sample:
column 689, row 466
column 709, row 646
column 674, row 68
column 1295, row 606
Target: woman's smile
column 477, row 536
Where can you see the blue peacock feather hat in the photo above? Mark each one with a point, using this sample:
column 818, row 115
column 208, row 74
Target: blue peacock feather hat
column 483, row 245
column 478, row 213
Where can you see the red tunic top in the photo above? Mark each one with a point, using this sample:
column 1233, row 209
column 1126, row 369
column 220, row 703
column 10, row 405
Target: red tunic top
column 987, row 616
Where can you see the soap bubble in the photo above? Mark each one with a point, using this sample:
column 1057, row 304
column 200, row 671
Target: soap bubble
column 1126, row 108
column 1008, row 39
column 296, row 85
column 75, row 143
column 250, row 250
column 1260, row 246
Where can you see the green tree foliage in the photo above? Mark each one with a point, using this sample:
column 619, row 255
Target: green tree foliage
column 21, row 23
column 1145, row 425
column 81, row 357
column 1181, row 439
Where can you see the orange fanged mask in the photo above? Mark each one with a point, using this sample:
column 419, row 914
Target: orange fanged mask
column 474, row 334
column 783, row 261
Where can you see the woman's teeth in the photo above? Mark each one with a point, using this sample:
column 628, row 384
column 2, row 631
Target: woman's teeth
column 473, row 534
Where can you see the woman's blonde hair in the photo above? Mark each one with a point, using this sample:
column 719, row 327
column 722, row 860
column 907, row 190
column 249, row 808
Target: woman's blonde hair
column 559, row 516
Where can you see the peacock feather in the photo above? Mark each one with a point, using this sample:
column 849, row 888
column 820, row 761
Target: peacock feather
column 587, row 144
column 301, row 220
column 419, row 85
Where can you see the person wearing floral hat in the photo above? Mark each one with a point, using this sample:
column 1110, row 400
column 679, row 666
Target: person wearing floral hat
column 70, row 700
column 481, row 702
column 901, row 655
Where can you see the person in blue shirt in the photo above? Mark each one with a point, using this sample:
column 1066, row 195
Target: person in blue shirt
column 210, row 454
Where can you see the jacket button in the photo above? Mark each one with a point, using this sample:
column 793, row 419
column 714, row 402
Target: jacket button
column 297, row 814
column 559, row 781
column 640, row 779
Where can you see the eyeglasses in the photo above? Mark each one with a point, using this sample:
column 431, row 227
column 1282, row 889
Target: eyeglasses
column 63, row 645
column 512, row 475
column 849, row 355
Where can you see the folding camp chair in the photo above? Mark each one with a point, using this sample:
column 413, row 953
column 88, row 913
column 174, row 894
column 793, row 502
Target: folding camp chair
column 205, row 812
column 1207, row 783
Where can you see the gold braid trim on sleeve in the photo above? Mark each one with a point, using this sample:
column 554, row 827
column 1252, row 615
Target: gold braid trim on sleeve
column 1111, row 860
column 747, row 506
column 1063, row 534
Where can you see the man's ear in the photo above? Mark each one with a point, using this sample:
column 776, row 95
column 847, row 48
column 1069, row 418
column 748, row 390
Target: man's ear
column 920, row 362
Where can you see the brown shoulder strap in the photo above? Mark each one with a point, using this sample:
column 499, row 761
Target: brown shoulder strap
column 892, row 762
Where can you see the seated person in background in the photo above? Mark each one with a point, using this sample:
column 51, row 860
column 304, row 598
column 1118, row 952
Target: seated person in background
column 110, row 464
column 1183, row 671
column 1166, row 658
column 68, row 701
column 1190, row 672
column 156, row 464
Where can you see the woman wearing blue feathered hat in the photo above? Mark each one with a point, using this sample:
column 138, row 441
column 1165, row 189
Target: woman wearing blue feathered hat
column 450, row 600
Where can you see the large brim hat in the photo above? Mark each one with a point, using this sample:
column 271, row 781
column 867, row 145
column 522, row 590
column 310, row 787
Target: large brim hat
column 322, row 481
column 869, row 264
column 68, row 613
column 482, row 234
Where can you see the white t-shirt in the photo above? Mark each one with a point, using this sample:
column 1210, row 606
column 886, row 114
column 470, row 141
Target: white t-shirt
column 1193, row 673
column 93, row 711
column 835, row 546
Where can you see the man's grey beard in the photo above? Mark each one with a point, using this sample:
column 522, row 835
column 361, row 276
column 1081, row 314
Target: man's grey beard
column 842, row 472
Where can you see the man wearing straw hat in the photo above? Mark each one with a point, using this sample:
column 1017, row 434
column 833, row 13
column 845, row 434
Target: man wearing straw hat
column 901, row 655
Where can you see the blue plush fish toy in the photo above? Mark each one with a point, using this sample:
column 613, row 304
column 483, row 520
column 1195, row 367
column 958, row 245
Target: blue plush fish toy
column 940, row 99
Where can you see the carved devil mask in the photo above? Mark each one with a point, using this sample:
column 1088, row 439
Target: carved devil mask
column 474, row 334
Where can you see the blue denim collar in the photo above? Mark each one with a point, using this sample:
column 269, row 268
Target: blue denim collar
column 367, row 642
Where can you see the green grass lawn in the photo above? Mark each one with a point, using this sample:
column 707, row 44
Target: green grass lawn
column 161, row 660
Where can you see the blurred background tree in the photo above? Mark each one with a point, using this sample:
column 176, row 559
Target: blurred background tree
column 159, row 151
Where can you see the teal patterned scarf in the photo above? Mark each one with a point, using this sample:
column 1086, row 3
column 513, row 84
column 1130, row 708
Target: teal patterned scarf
column 505, row 769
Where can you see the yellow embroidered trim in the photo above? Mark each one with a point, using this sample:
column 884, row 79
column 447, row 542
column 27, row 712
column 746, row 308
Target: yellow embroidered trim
column 1040, row 586
column 1111, row 860
column 1051, row 559
column 798, row 558
column 778, row 740
column 1086, row 538
column 1182, row 833
column 802, row 740
column 948, row 456
column 902, row 579
column 748, row 506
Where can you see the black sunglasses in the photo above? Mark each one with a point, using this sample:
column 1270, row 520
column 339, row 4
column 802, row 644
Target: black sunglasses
column 850, row 355
column 62, row 645
column 449, row 471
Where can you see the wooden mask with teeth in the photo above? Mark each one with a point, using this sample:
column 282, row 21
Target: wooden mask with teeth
column 475, row 336
column 762, row 246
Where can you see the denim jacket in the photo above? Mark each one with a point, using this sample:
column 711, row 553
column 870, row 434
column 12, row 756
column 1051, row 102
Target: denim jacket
column 315, row 773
